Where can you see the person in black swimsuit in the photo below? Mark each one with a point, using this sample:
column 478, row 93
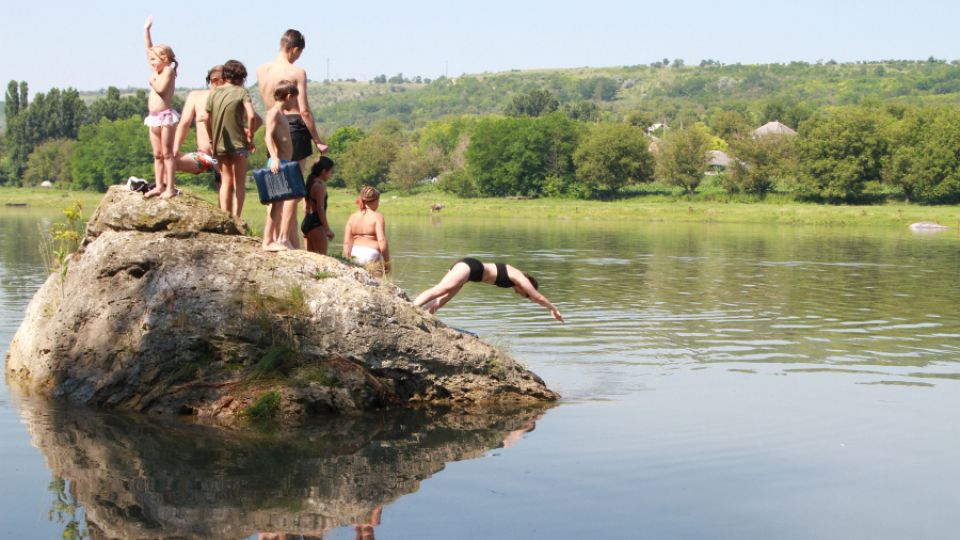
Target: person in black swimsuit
column 499, row 274
column 315, row 227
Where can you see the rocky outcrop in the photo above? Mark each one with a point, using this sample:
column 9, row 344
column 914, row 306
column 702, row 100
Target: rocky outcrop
column 143, row 477
column 169, row 308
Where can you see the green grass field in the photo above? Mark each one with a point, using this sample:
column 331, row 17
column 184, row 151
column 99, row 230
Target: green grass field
column 652, row 208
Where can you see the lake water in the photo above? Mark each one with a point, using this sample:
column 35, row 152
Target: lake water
column 718, row 381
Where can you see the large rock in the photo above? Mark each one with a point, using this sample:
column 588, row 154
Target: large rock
column 169, row 308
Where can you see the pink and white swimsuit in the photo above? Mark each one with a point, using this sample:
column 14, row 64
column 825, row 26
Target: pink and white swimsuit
column 166, row 117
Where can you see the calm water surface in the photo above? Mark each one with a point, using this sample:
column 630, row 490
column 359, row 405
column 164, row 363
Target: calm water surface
column 718, row 382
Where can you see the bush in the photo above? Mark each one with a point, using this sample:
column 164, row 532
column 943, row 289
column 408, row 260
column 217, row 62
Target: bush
column 50, row 161
column 110, row 151
column 613, row 155
column 366, row 162
column 458, row 182
column 682, row 157
column 513, row 156
column 841, row 150
column 412, row 166
column 758, row 162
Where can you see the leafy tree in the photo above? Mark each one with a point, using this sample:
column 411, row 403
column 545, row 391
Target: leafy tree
column 730, row 124
column 925, row 161
column 50, row 161
column 366, row 162
column 342, row 138
column 787, row 111
column 598, row 88
column 412, row 166
column 841, row 150
column 458, row 182
column 682, row 157
column 515, row 155
column 640, row 119
column 114, row 107
column 584, row 111
column 11, row 102
column 57, row 114
column 110, row 151
column 759, row 161
column 535, row 103
column 613, row 155
column 24, row 90
column 445, row 135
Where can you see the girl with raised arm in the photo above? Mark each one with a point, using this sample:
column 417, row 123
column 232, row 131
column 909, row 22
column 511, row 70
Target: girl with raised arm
column 162, row 117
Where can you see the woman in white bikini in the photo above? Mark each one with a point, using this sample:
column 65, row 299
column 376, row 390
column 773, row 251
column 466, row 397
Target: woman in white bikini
column 364, row 237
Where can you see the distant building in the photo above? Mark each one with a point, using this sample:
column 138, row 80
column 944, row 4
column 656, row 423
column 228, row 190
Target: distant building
column 718, row 160
column 773, row 128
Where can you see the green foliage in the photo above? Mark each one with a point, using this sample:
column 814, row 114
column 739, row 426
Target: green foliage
column 534, row 103
column 759, row 162
column 66, row 510
column 458, row 182
column 55, row 115
column 598, row 88
column 304, row 375
column 613, row 155
column 785, row 111
column 925, row 160
column 584, row 111
column 264, row 407
column 682, row 157
column 840, row 150
column 114, row 107
column 62, row 240
column 50, row 161
column 513, row 156
column 11, row 102
column 342, row 138
column 366, row 162
column 413, row 165
column 110, row 151
column 730, row 124
column 276, row 361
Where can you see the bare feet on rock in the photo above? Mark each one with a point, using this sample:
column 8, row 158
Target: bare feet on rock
column 154, row 192
column 278, row 246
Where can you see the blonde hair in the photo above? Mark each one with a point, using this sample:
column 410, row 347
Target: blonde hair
column 367, row 194
column 165, row 53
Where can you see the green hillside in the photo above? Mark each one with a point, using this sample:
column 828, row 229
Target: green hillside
column 666, row 92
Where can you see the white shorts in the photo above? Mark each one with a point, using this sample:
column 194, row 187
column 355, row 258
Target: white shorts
column 364, row 254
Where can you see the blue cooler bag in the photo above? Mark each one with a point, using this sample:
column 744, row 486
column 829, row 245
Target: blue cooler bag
column 286, row 184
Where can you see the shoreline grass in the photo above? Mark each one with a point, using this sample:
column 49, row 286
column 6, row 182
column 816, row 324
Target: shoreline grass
column 640, row 208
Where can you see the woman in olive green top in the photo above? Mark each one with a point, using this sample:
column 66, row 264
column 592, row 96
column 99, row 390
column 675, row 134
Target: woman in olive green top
column 232, row 125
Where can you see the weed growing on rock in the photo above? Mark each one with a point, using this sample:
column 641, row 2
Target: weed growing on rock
column 275, row 362
column 264, row 407
column 307, row 374
column 321, row 275
column 62, row 240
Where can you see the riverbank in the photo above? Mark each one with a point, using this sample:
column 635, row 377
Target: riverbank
column 641, row 209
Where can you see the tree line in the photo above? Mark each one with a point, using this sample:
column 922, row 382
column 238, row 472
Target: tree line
column 537, row 146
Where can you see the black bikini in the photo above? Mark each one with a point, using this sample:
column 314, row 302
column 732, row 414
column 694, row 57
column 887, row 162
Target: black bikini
column 476, row 272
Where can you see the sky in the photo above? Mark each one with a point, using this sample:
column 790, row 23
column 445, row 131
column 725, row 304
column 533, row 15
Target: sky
column 92, row 45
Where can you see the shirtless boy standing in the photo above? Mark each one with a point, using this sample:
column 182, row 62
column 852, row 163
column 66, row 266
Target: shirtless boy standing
column 303, row 131
column 281, row 214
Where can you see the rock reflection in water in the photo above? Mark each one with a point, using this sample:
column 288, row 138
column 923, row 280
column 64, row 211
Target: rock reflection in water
column 139, row 477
